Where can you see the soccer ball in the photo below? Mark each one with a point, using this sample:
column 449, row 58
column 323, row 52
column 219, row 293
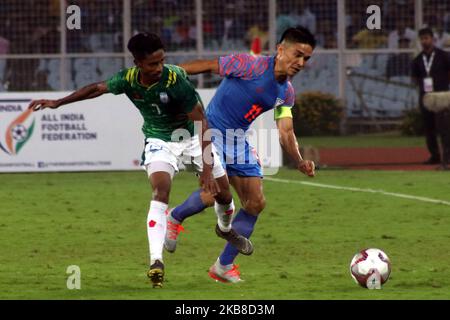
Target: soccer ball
column 19, row 133
column 370, row 268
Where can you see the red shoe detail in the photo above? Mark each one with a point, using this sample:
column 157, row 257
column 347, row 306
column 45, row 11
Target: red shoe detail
column 152, row 223
column 213, row 275
column 233, row 272
column 174, row 230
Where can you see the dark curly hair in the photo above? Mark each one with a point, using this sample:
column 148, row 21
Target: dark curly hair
column 143, row 44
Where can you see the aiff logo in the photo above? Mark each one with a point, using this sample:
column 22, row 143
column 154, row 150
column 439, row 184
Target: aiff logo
column 17, row 134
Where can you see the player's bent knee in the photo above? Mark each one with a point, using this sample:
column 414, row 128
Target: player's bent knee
column 256, row 206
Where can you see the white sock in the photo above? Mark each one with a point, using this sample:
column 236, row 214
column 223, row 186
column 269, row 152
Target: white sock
column 223, row 267
column 224, row 214
column 156, row 229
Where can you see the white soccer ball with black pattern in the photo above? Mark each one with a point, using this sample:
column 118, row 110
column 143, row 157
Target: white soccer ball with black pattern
column 370, row 268
column 19, row 133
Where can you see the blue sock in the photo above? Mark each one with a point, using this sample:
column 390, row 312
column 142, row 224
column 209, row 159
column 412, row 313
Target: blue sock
column 243, row 224
column 188, row 208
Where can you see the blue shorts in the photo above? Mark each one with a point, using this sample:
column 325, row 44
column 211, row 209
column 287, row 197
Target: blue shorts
column 239, row 158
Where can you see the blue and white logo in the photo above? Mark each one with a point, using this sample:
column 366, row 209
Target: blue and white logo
column 154, row 148
column 279, row 102
column 164, row 97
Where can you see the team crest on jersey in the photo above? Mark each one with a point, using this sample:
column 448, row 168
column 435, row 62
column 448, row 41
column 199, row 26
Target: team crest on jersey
column 279, row 102
column 164, row 97
column 154, row 148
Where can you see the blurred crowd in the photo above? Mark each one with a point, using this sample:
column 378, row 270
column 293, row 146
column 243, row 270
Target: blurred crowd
column 229, row 25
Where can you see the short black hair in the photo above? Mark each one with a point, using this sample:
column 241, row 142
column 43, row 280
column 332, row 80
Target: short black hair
column 426, row 32
column 143, row 44
column 299, row 34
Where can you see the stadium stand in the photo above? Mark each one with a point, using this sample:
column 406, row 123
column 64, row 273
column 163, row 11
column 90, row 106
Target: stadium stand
column 372, row 82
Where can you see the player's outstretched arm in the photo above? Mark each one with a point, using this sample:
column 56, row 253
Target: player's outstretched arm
column 207, row 180
column 88, row 92
column 289, row 143
column 201, row 66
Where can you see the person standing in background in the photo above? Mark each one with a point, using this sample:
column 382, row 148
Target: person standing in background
column 431, row 73
column 399, row 64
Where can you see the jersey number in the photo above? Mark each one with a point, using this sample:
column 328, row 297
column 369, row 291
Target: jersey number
column 157, row 108
column 253, row 113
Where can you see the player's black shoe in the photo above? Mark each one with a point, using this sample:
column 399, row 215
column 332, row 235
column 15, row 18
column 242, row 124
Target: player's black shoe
column 156, row 274
column 432, row 160
column 244, row 245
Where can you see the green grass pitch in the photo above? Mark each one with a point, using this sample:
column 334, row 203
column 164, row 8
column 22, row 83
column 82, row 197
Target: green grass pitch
column 304, row 239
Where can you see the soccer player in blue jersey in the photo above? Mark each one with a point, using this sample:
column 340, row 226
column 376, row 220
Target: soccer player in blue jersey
column 251, row 86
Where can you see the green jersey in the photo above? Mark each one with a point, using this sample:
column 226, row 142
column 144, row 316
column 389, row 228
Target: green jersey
column 164, row 105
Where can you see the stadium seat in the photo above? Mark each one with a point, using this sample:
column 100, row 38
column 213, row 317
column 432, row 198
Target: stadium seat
column 51, row 67
column 371, row 102
column 401, row 93
column 53, row 81
column 83, row 78
column 85, row 64
column 381, row 62
column 390, row 92
column 368, row 61
column 403, row 79
column 101, row 42
column 369, row 86
column 109, row 66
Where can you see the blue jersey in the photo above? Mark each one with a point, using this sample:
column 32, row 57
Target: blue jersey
column 248, row 89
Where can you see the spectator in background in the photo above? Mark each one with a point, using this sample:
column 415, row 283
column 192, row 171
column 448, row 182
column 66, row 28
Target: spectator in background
column 184, row 35
column 4, row 47
column 353, row 24
column 40, row 82
column 170, row 18
column 285, row 19
column 290, row 17
column 401, row 31
column 208, row 31
column 326, row 35
column 230, row 25
column 18, row 71
column 259, row 30
column 442, row 38
column 444, row 15
column 306, row 18
column 399, row 64
column 370, row 39
column 324, row 10
column 431, row 72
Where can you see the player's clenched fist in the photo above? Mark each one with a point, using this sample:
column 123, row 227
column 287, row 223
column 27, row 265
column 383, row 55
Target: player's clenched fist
column 307, row 167
column 42, row 104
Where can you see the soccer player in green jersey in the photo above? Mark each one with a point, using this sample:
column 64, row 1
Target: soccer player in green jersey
column 168, row 102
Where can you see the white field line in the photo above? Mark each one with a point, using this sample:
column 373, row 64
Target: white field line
column 329, row 186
